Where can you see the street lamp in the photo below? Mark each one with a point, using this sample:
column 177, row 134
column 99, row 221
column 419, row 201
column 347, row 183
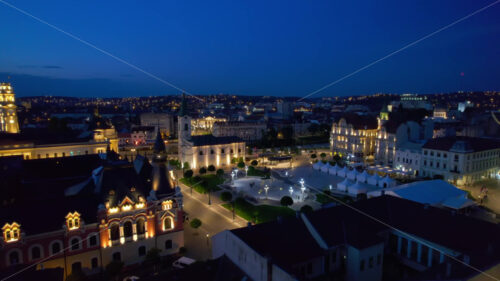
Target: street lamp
column 246, row 171
column 233, row 175
column 208, row 239
column 291, row 191
column 266, row 188
column 330, row 186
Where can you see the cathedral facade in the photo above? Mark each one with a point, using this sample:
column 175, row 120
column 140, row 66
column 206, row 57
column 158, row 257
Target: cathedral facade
column 205, row 150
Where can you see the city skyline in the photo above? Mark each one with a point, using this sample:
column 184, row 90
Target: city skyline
column 255, row 50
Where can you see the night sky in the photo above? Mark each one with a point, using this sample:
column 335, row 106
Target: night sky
column 280, row 48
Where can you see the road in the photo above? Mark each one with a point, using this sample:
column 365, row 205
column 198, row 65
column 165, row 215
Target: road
column 214, row 219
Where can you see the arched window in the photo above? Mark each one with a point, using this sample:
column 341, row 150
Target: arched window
column 117, row 256
column 141, row 226
column 168, row 244
column 75, row 244
column 115, row 232
column 185, row 127
column 222, row 150
column 92, row 240
column 55, row 248
column 14, row 258
column 142, row 251
column 201, row 152
column 168, row 223
column 36, row 253
column 127, row 229
column 211, row 151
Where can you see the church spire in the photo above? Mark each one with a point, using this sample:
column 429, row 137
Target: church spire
column 183, row 109
column 159, row 146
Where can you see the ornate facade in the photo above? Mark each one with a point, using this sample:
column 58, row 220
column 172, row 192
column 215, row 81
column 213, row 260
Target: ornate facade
column 118, row 213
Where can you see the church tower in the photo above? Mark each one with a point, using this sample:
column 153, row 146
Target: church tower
column 184, row 134
column 8, row 110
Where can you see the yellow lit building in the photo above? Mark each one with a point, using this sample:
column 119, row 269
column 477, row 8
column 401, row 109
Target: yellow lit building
column 8, row 114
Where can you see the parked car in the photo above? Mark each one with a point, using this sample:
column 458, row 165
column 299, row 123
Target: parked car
column 183, row 262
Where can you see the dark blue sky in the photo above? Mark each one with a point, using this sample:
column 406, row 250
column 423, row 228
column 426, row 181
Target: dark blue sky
column 282, row 48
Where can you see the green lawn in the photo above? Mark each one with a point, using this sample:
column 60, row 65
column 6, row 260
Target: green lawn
column 258, row 172
column 260, row 213
column 202, row 184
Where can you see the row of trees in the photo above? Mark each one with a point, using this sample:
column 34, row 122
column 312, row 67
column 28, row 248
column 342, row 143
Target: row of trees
column 189, row 173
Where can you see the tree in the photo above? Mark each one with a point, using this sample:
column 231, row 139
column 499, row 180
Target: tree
column 188, row 174
column 113, row 269
column 306, row 209
column 226, row 196
column 313, row 156
column 286, row 201
column 241, row 165
column 219, row 172
column 322, row 155
column 202, row 170
column 195, row 223
column 211, row 168
column 254, row 163
column 186, row 165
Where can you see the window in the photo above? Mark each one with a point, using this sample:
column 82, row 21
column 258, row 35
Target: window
column 186, row 127
column 141, row 227
column 445, row 155
column 444, row 165
column 115, row 232
column 117, row 256
column 438, row 154
column 425, row 152
column 168, row 244
column 239, row 150
column 75, row 244
column 211, row 151
column 370, row 262
column 93, row 240
column 222, row 150
column 432, row 153
column 36, row 253
column 56, row 247
column 127, row 229
column 231, row 151
column 200, row 153
column 94, row 263
column 379, row 259
column 362, row 265
column 168, row 223
column 142, row 251
column 73, row 220
column 14, row 258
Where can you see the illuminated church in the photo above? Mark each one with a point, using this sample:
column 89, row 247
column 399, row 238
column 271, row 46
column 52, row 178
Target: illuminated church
column 83, row 212
column 205, row 150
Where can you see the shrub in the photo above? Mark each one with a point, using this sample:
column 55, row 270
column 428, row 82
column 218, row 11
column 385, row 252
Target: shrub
column 241, row 165
column 254, row 163
column 226, row 196
column 202, row 170
column 322, row 155
column 195, row 223
column 306, row 209
column 219, row 172
column 286, row 201
column 186, row 165
column 188, row 174
column 211, row 168
column 313, row 156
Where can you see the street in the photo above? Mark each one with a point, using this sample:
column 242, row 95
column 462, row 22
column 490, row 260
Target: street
column 214, row 219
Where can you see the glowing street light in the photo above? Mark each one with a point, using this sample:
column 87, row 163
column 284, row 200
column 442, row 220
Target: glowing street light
column 330, row 186
column 266, row 188
column 290, row 190
column 246, row 171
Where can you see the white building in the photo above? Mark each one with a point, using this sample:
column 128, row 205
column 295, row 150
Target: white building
column 461, row 160
column 205, row 150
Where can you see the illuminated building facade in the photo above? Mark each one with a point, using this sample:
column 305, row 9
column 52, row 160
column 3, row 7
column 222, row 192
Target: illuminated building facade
column 8, row 114
column 118, row 212
column 353, row 137
column 205, row 150
column 246, row 130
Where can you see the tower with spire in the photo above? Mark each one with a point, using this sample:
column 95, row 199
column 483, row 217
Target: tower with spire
column 8, row 110
column 184, row 133
column 163, row 184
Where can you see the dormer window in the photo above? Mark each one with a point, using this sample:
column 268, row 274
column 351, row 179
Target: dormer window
column 11, row 232
column 167, row 205
column 73, row 220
